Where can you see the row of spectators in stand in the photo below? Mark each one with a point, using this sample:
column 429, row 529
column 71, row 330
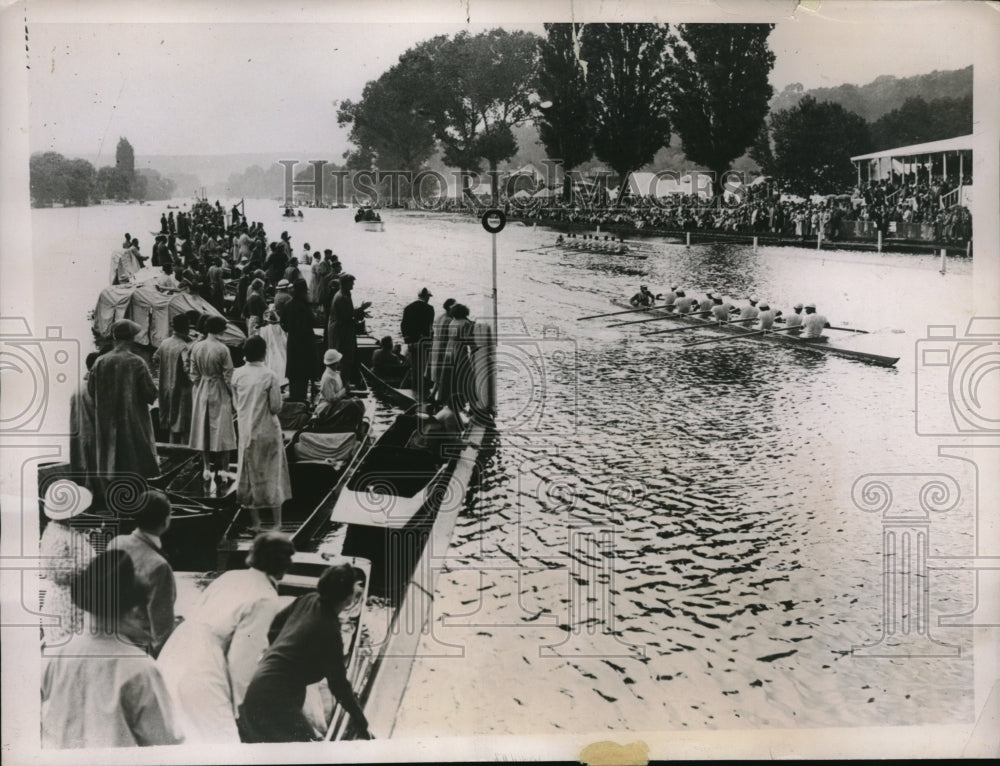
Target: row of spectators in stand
column 765, row 210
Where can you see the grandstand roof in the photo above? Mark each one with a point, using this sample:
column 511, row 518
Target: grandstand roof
column 960, row 143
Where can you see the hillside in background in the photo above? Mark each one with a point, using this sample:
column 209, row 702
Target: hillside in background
column 235, row 174
column 883, row 94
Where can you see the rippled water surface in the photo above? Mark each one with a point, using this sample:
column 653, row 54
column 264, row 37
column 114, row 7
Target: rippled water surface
column 666, row 537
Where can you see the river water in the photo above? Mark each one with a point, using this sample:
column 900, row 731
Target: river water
column 666, row 538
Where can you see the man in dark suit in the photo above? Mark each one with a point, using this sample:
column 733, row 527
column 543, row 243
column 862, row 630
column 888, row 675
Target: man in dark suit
column 152, row 625
column 416, row 329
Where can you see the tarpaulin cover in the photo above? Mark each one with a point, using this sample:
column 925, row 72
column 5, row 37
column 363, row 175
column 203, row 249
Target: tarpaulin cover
column 153, row 310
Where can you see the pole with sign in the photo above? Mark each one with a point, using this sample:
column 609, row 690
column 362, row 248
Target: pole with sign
column 493, row 221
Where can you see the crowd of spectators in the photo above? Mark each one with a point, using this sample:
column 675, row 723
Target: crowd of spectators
column 884, row 206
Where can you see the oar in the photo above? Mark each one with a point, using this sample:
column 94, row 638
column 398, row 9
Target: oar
column 689, row 327
column 736, row 337
column 616, row 313
column 849, row 329
column 536, row 249
column 659, row 318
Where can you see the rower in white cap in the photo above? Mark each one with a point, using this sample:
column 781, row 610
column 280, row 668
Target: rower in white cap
column 748, row 314
column 766, row 316
column 705, row 305
column 683, row 304
column 795, row 319
column 813, row 323
column 670, row 297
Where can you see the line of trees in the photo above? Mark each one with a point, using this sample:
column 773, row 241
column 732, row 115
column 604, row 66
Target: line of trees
column 617, row 93
column 55, row 179
column 610, row 91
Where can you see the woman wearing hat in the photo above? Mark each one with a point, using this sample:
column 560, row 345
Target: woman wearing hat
column 100, row 690
column 209, row 659
column 277, row 341
column 210, row 368
column 306, row 647
column 337, row 412
column 66, row 551
column 262, row 476
column 122, row 389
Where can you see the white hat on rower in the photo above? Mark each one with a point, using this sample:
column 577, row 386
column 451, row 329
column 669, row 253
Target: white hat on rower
column 753, row 299
column 764, row 306
column 797, row 306
column 65, row 499
column 810, row 305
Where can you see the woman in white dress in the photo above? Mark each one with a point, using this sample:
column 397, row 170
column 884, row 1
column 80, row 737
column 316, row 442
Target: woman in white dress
column 262, row 479
column 210, row 369
column 209, row 659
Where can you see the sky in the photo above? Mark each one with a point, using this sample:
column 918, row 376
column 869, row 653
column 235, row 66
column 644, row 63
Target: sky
column 216, row 86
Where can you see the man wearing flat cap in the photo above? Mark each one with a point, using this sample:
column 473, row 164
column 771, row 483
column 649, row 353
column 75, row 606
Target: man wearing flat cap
column 417, row 330
column 122, row 390
column 341, row 332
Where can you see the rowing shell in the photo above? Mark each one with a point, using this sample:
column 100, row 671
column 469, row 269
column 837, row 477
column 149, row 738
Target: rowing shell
column 777, row 339
column 572, row 246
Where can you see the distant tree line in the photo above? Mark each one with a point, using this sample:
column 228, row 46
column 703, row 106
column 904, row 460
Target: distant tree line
column 809, row 146
column 54, row 179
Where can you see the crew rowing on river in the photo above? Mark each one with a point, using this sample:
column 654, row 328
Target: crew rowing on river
column 715, row 309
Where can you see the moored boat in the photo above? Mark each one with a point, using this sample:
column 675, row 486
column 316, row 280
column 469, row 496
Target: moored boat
column 318, row 465
column 821, row 346
column 388, row 390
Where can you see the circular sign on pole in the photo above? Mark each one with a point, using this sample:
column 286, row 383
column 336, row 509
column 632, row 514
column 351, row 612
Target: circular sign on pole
column 494, row 220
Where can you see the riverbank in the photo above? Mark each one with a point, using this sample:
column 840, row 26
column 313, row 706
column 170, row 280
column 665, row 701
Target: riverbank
column 702, row 236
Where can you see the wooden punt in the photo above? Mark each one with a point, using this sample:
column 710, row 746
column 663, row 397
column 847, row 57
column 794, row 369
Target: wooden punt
column 316, row 485
column 779, row 339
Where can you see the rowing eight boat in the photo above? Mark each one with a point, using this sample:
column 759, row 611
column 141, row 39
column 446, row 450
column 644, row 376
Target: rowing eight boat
column 779, row 339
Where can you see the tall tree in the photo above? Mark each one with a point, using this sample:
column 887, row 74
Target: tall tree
column 125, row 156
column 125, row 165
column 389, row 125
column 813, row 145
column 81, row 182
column 564, row 124
column 47, row 178
column 482, row 88
column 719, row 90
column 627, row 68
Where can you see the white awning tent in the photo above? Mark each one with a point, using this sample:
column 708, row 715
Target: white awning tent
column 959, row 144
column 918, row 158
column 546, row 193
